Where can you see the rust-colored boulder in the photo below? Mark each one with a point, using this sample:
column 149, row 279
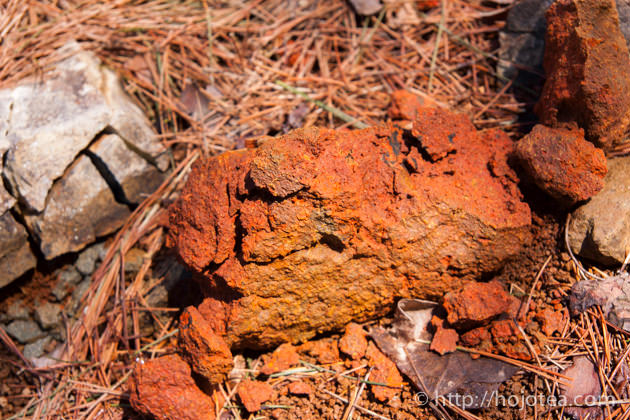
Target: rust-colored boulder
column 202, row 348
column 384, row 372
column 563, row 163
column 164, row 389
column 353, row 343
column 444, row 340
column 586, row 62
column 476, row 304
column 254, row 393
column 319, row 228
column 283, row 358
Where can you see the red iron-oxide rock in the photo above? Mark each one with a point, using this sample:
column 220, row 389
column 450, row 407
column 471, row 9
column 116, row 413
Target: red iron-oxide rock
column 405, row 105
column 300, row 388
column 353, row 343
column 384, row 372
column 164, row 389
column 254, row 393
column 586, row 61
column 319, row 228
column 283, row 358
column 551, row 320
column 326, row 350
column 202, row 348
column 444, row 340
column 563, row 163
column 476, row 304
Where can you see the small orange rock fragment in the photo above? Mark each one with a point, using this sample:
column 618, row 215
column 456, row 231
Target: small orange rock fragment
column 384, row 371
column 205, row 351
column 254, row 393
column 283, row 358
column 444, row 341
column 353, row 343
column 164, row 388
column 300, row 388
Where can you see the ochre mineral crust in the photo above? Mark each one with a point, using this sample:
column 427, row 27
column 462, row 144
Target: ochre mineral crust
column 319, row 228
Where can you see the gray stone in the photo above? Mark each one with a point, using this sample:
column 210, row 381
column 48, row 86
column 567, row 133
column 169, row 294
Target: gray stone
column 17, row 310
column 86, row 262
column 80, row 208
column 16, row 256
column 48, row 315
column 24, row 331
column 66, row 279
column 36, row 349
column 135, row 175
column 600, row 229
column 47, row 122
column 78, row 294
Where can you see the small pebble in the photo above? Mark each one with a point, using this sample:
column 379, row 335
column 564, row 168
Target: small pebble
column 24, row 331
column 48, row 315
column 86, row 263
column 36, row 349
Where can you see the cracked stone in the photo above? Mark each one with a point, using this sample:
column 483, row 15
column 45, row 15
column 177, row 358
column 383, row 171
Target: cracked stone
column 77, row 211
column 50, row 122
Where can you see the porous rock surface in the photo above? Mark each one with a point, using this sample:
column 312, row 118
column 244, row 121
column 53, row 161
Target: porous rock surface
column 319, row 228
column 562, row 163
column 586, row 61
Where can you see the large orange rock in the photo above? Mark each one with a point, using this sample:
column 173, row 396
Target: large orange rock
column 586, row 62
column 165, row 389
column 318, row 228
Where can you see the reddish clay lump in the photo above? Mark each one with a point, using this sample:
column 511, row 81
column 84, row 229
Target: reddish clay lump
column 586, row 61
column 318, row 228
column 282, row 358
column 353, row 343
column 165, row 389
column 384, row 371
column 254, row 393
column 444, row 340
column 562, row 163
column 476, row 304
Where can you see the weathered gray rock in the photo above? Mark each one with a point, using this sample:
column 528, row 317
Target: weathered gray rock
column 66, row 279
column 48, row 315
column 36, row 348
column 16, row 256
column 366, row 7
column 600, row 229
column 24, row 331
column 51, row 121
column 77, row 211
column 76, row 153
column 86, row 262
column 17, row 310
